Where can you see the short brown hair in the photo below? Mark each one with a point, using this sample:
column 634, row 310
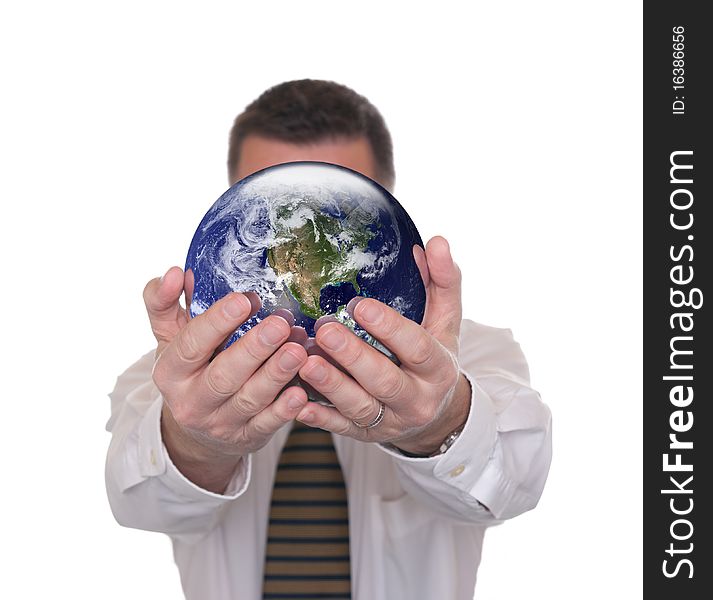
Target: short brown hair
column 309, row 110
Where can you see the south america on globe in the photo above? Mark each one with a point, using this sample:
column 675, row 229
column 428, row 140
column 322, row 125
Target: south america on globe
column 308, row 237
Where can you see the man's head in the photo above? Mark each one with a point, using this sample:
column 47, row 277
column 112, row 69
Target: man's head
column 311, row 120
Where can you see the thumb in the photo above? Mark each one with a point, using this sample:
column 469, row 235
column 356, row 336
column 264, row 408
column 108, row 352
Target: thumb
column 443, row 313
column 161, row 297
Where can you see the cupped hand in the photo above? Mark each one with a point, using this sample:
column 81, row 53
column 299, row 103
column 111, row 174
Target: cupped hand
column 220, row 405
column 425, row 397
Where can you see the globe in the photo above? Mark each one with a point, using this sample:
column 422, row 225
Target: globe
column 308, row 237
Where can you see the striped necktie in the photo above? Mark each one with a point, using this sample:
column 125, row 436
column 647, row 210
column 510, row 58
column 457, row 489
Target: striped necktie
column 307, row 552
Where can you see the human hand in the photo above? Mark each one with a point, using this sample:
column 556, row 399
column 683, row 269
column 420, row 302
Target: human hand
column 216, row 411
column 426, row 397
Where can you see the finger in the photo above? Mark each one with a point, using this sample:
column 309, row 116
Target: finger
column 313, row 349
column 442, row 317
column 255, row 304
column 161, row 299
column 195, row 344
column 324, row 319
column 255, row 301
column 355, row 398
column 263, row 386
column 277, row 414
column 370, row 367
column 350, row 398
column 230, row 369
column 298, row 335
column 418, row 351
column 285, row 314
column 331, row 419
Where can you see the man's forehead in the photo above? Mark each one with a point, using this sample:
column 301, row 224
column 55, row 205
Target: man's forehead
column 258, row 152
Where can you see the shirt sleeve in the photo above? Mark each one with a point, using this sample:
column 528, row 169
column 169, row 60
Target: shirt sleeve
column 145, row 489
column 497, row 467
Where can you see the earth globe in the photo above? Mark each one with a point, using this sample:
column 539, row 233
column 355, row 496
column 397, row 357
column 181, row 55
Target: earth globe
column 307, row 237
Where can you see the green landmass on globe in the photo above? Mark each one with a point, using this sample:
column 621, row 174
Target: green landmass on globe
column 318, row 253
column 307, row 237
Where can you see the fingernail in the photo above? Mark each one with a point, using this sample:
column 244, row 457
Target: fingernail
column 285, row 314
column 306, row 417
column 324, row 319
column 298, row 335
column 236, row 306
column 271, row 333
column 333, row 338
column 316, row 372
column 255, row 301
column 370, row 312
column 352, row 304
column 289, row 361
column 294, row 403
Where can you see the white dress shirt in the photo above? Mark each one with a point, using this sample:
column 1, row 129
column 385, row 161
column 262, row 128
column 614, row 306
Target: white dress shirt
column 416, row 525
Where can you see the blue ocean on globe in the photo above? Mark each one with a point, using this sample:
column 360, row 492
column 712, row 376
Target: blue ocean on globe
column 308, row 237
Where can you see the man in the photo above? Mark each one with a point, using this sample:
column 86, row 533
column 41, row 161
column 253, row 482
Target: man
column 432, row 452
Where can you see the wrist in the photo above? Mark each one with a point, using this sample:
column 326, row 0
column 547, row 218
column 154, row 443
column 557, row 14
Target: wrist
column 429, row 440
column 205, row 467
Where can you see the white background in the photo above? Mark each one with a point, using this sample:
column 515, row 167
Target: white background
column 517, row 129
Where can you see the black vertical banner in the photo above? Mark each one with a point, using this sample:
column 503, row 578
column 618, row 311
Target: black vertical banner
column 678, row 300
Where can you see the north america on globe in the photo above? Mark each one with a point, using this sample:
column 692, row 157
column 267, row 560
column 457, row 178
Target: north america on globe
column 308, row 237
column 319, row 253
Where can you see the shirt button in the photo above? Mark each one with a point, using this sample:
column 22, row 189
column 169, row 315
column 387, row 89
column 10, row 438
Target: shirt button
column 457, row 471
column 153, row 457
